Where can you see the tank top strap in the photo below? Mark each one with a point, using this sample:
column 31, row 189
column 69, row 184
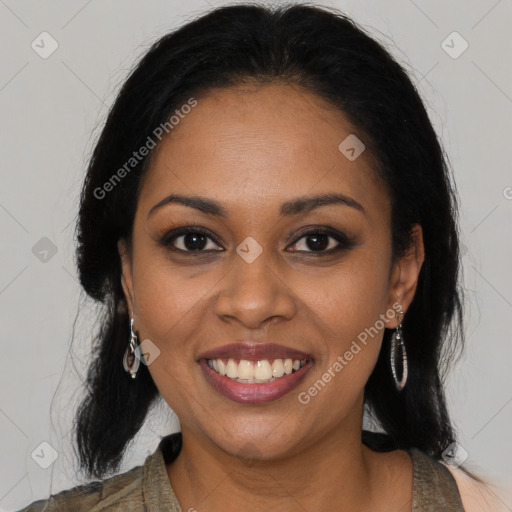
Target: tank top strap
column 434, row 488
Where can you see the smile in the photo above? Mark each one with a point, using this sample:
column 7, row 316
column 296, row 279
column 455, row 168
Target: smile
column 254, row 373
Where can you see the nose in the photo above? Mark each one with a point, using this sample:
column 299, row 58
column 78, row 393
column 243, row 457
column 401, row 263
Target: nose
column 254, row 293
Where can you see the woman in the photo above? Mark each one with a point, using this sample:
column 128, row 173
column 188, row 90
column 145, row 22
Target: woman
column 270, row 223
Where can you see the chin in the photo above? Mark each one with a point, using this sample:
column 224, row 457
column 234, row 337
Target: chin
column 257, row 444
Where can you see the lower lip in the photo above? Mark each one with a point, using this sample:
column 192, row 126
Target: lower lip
column 254, row 393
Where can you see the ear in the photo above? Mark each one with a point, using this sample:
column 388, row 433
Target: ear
column 126, row 274
column 404, row 275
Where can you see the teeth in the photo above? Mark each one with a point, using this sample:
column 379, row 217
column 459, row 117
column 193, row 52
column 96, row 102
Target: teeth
column 232, row 369
column 245, row 370
column 221, row 366
column 278, row 368
column 256, row 372
column 262, row 370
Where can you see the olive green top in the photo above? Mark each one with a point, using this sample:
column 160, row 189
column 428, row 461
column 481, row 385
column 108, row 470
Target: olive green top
column 147, row 488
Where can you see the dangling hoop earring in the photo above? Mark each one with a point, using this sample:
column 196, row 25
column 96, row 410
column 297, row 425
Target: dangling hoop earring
column 130, row 360
column 398, row 345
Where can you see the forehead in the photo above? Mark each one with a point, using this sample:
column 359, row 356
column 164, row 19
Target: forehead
column 256, row 146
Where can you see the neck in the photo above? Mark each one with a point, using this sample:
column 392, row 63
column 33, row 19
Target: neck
column 335, row 472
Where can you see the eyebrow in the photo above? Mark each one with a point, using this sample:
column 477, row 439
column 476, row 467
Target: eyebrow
column 289, row 208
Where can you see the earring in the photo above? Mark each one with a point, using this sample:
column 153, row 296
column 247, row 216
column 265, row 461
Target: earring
column 130, row 360
column 398, row 345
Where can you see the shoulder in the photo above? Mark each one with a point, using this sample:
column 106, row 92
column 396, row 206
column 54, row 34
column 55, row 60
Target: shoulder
column 434, row 488
column 476, row 496
column 116, row 493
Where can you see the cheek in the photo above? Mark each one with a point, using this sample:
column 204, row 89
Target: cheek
column 169, row 300
column 349, row 310
column 352, row 297
column 169, row 311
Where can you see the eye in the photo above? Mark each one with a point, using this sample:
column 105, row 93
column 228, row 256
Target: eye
column 318, row 241
column 322, row 240
column 190, row 239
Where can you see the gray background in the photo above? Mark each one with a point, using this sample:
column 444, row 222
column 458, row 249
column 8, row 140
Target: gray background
column 52, row 110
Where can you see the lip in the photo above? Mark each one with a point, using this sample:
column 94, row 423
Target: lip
column 254, row 393
column 259, row 393
column 253, row 351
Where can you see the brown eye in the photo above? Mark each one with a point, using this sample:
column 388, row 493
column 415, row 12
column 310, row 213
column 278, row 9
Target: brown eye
column 322, row 241
column 189, row 239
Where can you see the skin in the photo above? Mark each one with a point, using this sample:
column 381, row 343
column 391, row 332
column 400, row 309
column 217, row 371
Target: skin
column 479, row 496
column 251, row 148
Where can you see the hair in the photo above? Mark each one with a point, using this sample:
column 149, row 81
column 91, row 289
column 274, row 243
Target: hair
column 326, row 53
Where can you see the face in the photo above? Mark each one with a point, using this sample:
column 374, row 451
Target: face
column 267, row 280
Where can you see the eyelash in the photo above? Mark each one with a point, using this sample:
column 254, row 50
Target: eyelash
column 344, row 242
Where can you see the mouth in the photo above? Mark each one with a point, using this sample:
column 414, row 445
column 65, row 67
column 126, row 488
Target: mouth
column 254, row 373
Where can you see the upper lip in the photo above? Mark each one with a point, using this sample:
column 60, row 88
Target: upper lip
column 253, row 351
